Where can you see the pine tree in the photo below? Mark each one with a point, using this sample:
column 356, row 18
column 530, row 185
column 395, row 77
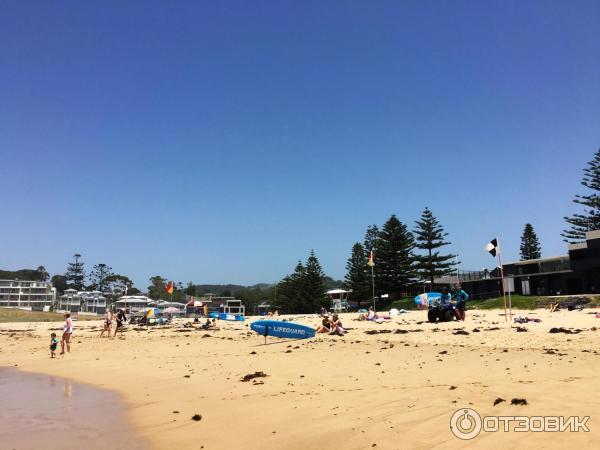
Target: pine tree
column 530, row 246
column 372, row 243
column 290, row 290
column 429, row 235
column 75, row 274
column 396, row 270
column 358, row 274
column 589, row 219
column 314, row 285
column 304, row 290
column 98, row 277
column 372, row 239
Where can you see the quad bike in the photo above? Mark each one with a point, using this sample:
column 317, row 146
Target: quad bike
column 440, row 312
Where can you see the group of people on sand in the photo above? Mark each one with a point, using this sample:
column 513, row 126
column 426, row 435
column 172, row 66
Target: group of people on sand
column 459, row 296
column 208, row 325
column 331, row 326
column 65, row 341
column 120, row 319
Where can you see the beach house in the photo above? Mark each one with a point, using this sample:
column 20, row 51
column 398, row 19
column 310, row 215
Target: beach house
column 90, row 302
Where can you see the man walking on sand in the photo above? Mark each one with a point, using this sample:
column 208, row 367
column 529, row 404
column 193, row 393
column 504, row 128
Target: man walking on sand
column 66, row 336
column 121, row 319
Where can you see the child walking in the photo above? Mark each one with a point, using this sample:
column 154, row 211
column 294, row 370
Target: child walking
column 53, row 345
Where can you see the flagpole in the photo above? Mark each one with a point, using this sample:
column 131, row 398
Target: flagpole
column 457, row 271
column 502, row 281
column 371, row 263
column 373, row 285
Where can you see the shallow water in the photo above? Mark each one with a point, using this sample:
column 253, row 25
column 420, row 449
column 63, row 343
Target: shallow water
column 44, row 412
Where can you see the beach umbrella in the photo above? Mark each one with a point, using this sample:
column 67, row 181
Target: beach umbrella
column 171, row 310
column 152, row 312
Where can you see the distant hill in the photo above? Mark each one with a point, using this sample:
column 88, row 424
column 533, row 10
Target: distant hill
column 226, row 289
column 23, row 274
column 232, row 289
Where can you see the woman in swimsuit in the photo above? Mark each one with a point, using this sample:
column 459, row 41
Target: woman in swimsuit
column 336, row 326
column 107, row 322
column 67, row 332
column 325, row 325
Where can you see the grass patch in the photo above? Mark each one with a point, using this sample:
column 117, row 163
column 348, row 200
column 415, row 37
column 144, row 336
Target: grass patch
column 525, row 302
column 518, row 302
column 18, row 315
column 407, row 303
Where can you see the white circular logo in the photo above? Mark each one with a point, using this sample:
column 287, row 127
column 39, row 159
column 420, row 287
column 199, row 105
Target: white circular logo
column 465, row 423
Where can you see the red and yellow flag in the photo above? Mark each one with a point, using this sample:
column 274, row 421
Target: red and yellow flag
column 169, row 287
column 371, row 262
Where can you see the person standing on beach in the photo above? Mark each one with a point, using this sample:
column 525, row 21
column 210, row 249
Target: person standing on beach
column 66, row 336
column 107, row 322
column 121, row 319
column 461, row 297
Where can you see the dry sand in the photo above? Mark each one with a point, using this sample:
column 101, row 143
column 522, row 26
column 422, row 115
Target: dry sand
column 390, row 390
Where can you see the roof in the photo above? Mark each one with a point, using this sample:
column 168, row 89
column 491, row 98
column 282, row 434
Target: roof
column 337, row 291
column 535, row 261
column 130, row 299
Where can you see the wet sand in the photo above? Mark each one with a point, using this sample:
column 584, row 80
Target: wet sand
column 393, row 385
column 47, row 412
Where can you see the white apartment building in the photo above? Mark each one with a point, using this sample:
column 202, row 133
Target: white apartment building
column 92, row 302
column 30, row 295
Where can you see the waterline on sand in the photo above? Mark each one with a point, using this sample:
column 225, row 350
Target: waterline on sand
column 43, row 411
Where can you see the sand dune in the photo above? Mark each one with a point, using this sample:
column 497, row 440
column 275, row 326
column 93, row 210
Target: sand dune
column 397, row 388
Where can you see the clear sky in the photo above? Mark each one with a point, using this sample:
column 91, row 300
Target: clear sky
column 221, row 141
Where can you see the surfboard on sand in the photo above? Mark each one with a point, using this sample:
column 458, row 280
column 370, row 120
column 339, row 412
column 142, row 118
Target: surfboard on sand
column 279, row 329
column 233, row 317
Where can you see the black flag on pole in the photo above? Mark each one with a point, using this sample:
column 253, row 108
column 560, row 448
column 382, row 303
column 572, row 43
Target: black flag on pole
column 492, row 247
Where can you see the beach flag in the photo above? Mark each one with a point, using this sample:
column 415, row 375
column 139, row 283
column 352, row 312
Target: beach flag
column 169, row 287
column 371, row 263
column 492, row 247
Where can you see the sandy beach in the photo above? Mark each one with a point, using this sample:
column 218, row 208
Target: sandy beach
column 393, row 385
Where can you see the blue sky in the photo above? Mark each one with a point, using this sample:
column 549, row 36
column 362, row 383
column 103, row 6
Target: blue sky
column 221, row 141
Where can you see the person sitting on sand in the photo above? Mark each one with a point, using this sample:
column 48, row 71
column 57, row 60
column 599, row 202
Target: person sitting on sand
column 107, row 322
column 554, row 307
column 325, row 326
column 66, row 336
column 370, row 315
column 210, row 325
column 53, row 345
column 336, row 326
